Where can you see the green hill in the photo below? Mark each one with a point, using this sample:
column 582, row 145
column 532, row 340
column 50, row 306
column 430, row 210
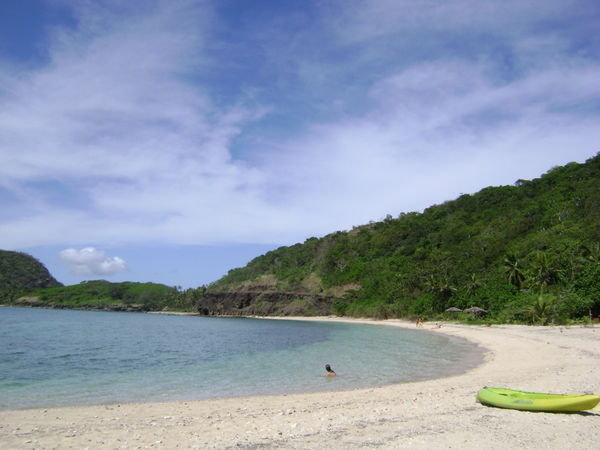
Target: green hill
column 104, row 295
column 526, row 252
column 21, row 273
column 101, row 294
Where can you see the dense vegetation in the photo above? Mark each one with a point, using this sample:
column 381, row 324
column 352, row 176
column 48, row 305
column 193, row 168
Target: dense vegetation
column 20, row 273
column 528, row 252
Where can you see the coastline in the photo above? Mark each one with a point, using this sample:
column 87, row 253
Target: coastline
column 438, row 413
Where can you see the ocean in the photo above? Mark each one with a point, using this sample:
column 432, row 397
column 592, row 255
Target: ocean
column 54, row 358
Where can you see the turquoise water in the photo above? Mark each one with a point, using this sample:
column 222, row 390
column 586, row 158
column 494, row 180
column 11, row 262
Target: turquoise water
column 62, row 358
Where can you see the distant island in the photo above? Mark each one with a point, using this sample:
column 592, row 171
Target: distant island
column 526, row 253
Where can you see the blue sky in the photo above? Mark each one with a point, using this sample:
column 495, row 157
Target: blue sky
column 171, row 141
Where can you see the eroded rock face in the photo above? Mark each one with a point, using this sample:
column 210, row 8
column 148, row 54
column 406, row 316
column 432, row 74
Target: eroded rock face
column 264, row 304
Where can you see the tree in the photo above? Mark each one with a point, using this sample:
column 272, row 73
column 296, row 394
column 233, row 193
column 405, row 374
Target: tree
column 513, row 270
column 442, row 290
column 544, row 270
column 473, row 285
column 542, row 309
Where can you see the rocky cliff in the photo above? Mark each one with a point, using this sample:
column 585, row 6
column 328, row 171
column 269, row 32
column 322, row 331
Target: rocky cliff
column 265, row 304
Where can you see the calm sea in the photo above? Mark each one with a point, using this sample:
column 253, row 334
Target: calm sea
column 62, row 358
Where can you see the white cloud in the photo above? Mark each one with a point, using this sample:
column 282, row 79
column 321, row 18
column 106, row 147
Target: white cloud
column 91, row 261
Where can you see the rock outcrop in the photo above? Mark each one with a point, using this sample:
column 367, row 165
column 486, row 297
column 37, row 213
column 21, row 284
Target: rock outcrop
column 259, row 303
column 35, row 302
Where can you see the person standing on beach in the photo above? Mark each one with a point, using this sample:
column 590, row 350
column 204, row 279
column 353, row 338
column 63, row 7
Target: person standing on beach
column 330, row 372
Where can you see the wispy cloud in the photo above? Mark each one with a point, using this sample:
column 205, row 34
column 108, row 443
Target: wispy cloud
column 115, row 113
column 437, row 130
column 364, row 20
column 153, row 124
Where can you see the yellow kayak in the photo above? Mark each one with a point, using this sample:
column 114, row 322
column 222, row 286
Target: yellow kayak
column 535, row 401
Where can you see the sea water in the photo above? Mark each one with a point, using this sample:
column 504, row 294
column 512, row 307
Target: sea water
column 63, row 358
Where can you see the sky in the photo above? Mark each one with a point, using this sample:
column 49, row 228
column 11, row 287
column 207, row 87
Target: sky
column 171, row 141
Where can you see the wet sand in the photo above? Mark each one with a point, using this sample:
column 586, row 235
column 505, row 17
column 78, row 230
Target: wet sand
column 440, row 413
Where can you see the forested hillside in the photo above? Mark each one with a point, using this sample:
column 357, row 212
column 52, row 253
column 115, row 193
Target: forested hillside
column 526, row 252
column 21, row 273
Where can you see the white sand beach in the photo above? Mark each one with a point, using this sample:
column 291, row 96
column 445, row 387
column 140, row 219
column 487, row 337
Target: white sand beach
column 440, row 413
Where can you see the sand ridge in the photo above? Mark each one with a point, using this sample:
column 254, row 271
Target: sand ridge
column 440, row 413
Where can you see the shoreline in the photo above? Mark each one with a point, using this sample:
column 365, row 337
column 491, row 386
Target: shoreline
column 437, row 413
column 462, row 356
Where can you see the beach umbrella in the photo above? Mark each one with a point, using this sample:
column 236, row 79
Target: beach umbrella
column 476, row 310
column 454, row 309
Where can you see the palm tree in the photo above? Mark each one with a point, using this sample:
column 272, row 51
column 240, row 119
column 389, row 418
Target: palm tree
column 437, row 286
column 513, row 270
column 446, row 289
column 473, row 285
column 542, row 310
column 442, row 290
column 544, row 270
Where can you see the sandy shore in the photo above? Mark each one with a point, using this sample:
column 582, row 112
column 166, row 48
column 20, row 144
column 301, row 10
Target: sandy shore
column 438, row 413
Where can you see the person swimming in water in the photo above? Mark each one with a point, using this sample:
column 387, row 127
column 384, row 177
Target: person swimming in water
column 330, row 372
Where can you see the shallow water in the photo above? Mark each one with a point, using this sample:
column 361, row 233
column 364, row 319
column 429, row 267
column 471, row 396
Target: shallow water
column 62, row 358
